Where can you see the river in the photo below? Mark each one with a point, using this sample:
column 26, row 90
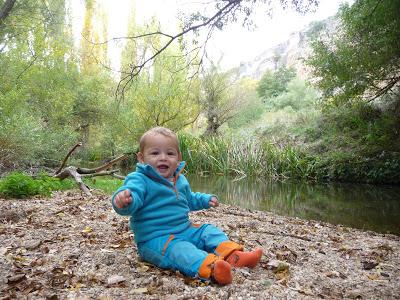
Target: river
column 367, row 207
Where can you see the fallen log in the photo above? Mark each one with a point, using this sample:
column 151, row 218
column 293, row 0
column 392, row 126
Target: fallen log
column 77, row 173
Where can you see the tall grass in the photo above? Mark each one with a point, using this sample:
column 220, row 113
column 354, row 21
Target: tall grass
column 217, row 155
column 205, row 155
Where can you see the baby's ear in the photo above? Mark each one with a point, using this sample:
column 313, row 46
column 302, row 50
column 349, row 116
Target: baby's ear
column 139, row 156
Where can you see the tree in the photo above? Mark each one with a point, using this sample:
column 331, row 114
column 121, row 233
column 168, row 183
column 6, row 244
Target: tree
column 251, row 107
column 164, row 97
column 94, row 30
column 299, row 96
column 219, row 103
column 222, row 13
column 37, row 75
column 31, row 29
column 129, row 52
column 5, row 10
column 92, row 92
column 363, row 59
column 46, row 100
column 274, row 83
column 161, row 95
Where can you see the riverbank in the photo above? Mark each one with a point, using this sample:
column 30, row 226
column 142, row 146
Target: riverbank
column 72, row 246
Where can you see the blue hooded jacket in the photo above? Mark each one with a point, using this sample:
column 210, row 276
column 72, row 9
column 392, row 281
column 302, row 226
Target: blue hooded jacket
column 159, row 207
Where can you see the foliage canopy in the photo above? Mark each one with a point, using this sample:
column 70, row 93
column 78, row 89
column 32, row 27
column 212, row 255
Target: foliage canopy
column 274, row 83
column 363, row 59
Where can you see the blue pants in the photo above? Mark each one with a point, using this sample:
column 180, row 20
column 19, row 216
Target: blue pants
column 184, row 251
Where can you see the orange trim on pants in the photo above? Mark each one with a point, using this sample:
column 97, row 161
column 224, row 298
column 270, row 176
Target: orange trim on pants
column 171, row 237
column 226, row 248
column 205, row 269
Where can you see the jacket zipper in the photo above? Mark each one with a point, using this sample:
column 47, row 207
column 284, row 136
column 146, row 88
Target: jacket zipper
column 162, row 181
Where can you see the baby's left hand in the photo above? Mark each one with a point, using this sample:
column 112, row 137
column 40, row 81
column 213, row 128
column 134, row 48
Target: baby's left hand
column 213, row 202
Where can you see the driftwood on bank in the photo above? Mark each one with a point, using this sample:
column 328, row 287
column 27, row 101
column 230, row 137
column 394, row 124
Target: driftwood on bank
column 77, row 173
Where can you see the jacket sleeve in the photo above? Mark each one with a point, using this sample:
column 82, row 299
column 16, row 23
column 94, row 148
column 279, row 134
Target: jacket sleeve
column 197, row 201
column 136, row 185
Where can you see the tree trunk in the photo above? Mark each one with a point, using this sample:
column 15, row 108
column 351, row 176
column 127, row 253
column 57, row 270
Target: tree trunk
column 212, row 126
column 5, row 10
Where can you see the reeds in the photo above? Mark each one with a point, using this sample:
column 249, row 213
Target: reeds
column 241, row 158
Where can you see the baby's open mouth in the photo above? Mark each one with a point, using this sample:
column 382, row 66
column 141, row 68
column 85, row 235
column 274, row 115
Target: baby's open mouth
column 162, row 167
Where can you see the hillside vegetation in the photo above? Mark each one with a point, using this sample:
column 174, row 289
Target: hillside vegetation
column 340, row 122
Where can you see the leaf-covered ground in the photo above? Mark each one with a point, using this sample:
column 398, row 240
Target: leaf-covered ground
column 70, row 246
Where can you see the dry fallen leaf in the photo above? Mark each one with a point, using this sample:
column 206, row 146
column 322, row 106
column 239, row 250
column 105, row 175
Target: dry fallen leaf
column 115, row 279
column 31, row 245
column 87, row 229
column 4, row 250
column 142, row 268
column 282, row 275
column 139, row 291
column 368, row 265
column 16, row 278
column 277, row 266
column 373, row 276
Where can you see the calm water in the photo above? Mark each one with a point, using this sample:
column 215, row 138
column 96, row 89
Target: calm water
column 367, row 207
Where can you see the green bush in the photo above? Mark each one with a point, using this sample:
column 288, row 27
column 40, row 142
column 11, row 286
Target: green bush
column 21, row 185
column 298, row 96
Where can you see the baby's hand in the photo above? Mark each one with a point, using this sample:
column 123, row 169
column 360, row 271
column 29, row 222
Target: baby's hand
column 123, row 199
column 213, row 202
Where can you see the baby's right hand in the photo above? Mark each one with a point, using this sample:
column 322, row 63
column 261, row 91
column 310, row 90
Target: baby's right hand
column 123, row 199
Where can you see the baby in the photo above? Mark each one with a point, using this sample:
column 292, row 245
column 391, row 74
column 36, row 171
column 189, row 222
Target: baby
column 158, row 199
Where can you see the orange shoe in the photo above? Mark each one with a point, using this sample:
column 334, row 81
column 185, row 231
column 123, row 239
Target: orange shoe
column 222, row 272
column 245, row 259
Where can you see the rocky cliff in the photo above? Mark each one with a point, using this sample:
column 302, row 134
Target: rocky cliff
column 290, row 53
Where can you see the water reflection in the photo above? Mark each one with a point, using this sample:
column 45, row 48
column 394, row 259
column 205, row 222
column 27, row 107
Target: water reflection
column 361, row 206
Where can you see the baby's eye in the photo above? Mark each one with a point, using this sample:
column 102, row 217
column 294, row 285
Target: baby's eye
column 154, row 153
column 171, row 153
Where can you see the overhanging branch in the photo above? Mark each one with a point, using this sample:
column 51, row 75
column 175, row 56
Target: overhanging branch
column 136, row 69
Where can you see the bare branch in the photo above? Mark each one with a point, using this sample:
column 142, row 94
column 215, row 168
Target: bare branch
column 72, row 172
column 155, row 33
column 136, row 69
column 66, row 158
column 118, row 176
column 105, row 173
column 192, row 121
column 103, row 167
column 33, row 60
column 385, row 89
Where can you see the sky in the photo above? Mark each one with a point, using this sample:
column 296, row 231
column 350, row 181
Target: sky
column 234, row 44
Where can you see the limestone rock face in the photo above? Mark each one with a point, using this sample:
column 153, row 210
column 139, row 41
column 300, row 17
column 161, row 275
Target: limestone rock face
column 290, row 53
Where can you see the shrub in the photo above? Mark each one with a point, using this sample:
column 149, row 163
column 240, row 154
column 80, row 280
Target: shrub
column 21, row 185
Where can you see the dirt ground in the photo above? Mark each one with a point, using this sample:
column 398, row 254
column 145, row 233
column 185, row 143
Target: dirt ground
column 73, row 247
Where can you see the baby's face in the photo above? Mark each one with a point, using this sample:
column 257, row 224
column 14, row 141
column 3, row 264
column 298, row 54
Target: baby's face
column 161, row 152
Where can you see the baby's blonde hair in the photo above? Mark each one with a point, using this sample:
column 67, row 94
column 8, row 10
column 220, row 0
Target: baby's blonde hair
column 158, row 130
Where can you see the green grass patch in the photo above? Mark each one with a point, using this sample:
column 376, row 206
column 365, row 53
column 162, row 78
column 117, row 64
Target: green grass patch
column 20, row 185
column 106, row 184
